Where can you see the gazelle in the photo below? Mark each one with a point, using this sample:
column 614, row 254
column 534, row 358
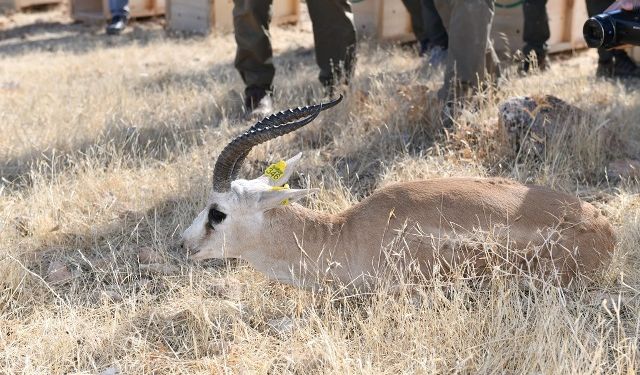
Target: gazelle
column 252, row 220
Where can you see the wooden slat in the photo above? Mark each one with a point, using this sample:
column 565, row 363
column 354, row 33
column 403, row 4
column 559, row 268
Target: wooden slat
column 366, row 16
column 389, row 20
column 97, row 10
column 579, row 17
column 566, row 18
column 84, row 7
column 396, row 22
column 190, row 15
column 223, row 16
column 29, row 3
column 22, row 4
column 559, row 12
column 386, row 20
column 203, row 16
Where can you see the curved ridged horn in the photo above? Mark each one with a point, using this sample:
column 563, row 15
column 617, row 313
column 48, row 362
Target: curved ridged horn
column 282, row 117
column 232, row 156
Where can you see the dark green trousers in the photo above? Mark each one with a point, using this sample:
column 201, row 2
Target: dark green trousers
column 471, row 59
column 433, row 27
column 536, row 31
column 414, row 7
column 334, row 35
column 426, row 23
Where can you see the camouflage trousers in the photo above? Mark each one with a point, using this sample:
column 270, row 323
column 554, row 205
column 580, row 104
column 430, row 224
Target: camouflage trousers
column 471, row 59
column 334, row 36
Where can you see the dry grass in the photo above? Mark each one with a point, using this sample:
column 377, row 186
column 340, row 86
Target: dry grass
column 107, row 147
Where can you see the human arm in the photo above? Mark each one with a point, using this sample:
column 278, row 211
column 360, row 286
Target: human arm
column 625, row 5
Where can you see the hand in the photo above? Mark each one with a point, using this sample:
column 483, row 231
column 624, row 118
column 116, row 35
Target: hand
column 625, row 5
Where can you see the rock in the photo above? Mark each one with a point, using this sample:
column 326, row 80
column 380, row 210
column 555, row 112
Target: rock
column 623, row 169
column 531, row 122
column 147, row 255
column 58, row 273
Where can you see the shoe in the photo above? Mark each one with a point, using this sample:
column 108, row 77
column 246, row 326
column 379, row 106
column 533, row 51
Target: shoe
column 533, row 59
column 605, row 69
column 437, row 56
column 258, row 102
column 621, row 66
column 117, row 24
column 424, row 47
column 447, row 116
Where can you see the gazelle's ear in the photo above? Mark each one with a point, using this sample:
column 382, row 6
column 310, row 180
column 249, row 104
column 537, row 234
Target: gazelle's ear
column 279, row 173
column 281, row 196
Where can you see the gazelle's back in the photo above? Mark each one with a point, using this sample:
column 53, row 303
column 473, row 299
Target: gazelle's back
column 533, row 215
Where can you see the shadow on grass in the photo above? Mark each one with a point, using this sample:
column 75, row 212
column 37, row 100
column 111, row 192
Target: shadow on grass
column 71, row 38
column 117, row 144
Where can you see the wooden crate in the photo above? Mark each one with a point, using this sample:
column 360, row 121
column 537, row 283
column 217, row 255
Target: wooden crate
column 566, row 18
column 390, row 20
column 205, row 16
column 98, row 10
column 22, row 4
column 386, row 20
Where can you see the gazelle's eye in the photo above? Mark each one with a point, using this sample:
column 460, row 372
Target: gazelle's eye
column 215, row 216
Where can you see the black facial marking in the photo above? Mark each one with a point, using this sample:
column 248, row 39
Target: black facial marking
column 215, row 216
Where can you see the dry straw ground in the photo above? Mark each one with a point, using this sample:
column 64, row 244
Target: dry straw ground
column 107, row 145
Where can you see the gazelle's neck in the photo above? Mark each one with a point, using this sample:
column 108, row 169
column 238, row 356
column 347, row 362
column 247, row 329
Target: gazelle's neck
column 299, row 246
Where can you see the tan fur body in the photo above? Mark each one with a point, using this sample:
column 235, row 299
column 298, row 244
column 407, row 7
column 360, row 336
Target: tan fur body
column 301, row 246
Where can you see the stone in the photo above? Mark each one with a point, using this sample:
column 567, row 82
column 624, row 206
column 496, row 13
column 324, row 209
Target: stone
column 530, row 122
column 58, row 273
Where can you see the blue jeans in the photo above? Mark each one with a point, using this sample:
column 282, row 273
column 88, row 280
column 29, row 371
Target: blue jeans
column 119, row 8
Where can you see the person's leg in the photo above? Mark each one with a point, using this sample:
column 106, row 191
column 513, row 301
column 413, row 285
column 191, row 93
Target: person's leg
column 471, row 58
column 254, row 56
column 417, row 25
column 119, row 8
column 536, row 31
column 334, row 34
column 119, row 13
column 433, row 26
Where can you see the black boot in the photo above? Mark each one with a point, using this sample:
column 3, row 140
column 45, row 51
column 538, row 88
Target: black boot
column 620, row 66
column 258, row 101
column 117, row 24
column 533, row 58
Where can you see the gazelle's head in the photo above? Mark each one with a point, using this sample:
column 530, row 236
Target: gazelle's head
column 234, row 213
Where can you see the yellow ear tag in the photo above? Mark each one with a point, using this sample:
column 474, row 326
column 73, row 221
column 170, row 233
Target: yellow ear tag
column 276, row 171
column 278, row 188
